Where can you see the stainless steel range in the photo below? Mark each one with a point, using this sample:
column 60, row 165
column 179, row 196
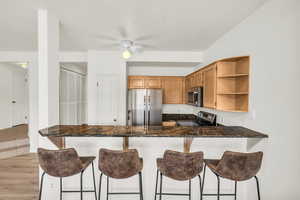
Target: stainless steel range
column 203, row 119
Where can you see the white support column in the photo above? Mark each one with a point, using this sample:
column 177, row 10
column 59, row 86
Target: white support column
column 48, row 66
column 48, row 58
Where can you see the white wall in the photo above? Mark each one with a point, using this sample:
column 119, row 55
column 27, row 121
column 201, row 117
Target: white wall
column 271, row 36
column 159, row 71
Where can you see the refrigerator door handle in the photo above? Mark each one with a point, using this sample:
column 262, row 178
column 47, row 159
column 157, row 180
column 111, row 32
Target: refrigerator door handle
column 148, row 117
column 144, row 117
column 149, row 108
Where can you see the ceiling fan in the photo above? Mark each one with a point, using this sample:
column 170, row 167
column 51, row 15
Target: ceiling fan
column 128, row 46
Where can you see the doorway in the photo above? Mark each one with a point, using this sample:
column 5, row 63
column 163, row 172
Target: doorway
column 72, row 98
column 14, row 101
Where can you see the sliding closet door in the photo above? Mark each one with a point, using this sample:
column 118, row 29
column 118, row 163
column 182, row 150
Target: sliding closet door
column 72, row 98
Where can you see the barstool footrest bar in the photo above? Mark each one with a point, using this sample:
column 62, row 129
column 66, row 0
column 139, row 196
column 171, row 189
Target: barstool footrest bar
column 175, row 194
column 66, row 191
column 217, row 194
column 121, row 193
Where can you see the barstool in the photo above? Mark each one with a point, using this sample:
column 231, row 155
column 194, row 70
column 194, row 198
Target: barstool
column 235, row 166
column 120, row 165
column 181, row 167
column 64, row 163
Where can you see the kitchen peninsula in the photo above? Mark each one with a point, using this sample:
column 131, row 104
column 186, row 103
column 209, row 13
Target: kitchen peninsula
column 151, row 142
column 150, row 131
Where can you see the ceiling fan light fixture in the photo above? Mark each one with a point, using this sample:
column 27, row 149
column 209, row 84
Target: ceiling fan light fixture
column 126, row 54
column 23, row 65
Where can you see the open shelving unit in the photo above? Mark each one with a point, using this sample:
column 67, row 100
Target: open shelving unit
column 233, row 84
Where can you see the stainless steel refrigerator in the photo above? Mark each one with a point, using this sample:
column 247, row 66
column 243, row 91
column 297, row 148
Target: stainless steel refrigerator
column 144, row 107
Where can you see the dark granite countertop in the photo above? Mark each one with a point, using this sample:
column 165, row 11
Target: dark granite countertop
column 151, row 131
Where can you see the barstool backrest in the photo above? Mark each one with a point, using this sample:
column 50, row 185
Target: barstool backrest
column 59, row 163
column 119, row 164
column 182, row 166
column 239, row 166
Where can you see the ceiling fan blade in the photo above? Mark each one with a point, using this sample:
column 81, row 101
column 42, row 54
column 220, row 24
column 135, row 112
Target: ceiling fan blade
column 105, row 37
column 112, row 45
column 136, row 48
column 122, row 32
column 144, row 38
column 143, row 45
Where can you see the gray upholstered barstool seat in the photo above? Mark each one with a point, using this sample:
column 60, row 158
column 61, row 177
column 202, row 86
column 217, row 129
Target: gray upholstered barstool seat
column 64, row 163
column 181, row 167
column 235, row 166
column 120, row 165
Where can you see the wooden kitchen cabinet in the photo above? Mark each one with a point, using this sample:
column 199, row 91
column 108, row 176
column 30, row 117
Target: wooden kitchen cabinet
column 173, row 90
column 198, row 79
column 173, row 86
column 225, row 84
column 233, row 84
column 153, row 82
column 135, row 82
column 187, row 87
column 209, row 86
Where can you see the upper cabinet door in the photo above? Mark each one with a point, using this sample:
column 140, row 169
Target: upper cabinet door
column 135, row 82
column 210, row 77
column 173, row 90
column 187, row 83
column 153, row 83
column 199, row 79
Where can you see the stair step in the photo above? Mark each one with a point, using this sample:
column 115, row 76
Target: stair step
column 14, row 148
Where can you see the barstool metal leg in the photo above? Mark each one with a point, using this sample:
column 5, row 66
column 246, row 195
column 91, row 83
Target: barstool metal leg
column 156, row 185
column 94, row 180
column 41, row 186
column 235, row 189
column 200, row 187
column 218, row 186
column 100, row 181
column 81, row 193
column 160, row 190
column 190, row 189
column 60, row 180
column 204, row 173
column 107, row 187
column 141, row 185
column 257, row 184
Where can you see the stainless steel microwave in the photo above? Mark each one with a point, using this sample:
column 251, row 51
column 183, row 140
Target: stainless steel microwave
column 195, row 97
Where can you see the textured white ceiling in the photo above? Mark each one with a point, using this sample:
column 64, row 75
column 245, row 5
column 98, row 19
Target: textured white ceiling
column 176, row 25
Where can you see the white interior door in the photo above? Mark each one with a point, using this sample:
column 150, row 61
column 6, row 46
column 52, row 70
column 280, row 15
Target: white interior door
column 19, row 90
column 5, row 98
column 107, row 99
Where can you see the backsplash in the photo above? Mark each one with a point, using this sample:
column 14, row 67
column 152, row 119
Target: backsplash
column 177, row 109
column 226, row 118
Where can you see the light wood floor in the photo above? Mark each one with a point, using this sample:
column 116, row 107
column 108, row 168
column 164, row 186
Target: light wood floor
column 19, row 178
column 14, row 133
